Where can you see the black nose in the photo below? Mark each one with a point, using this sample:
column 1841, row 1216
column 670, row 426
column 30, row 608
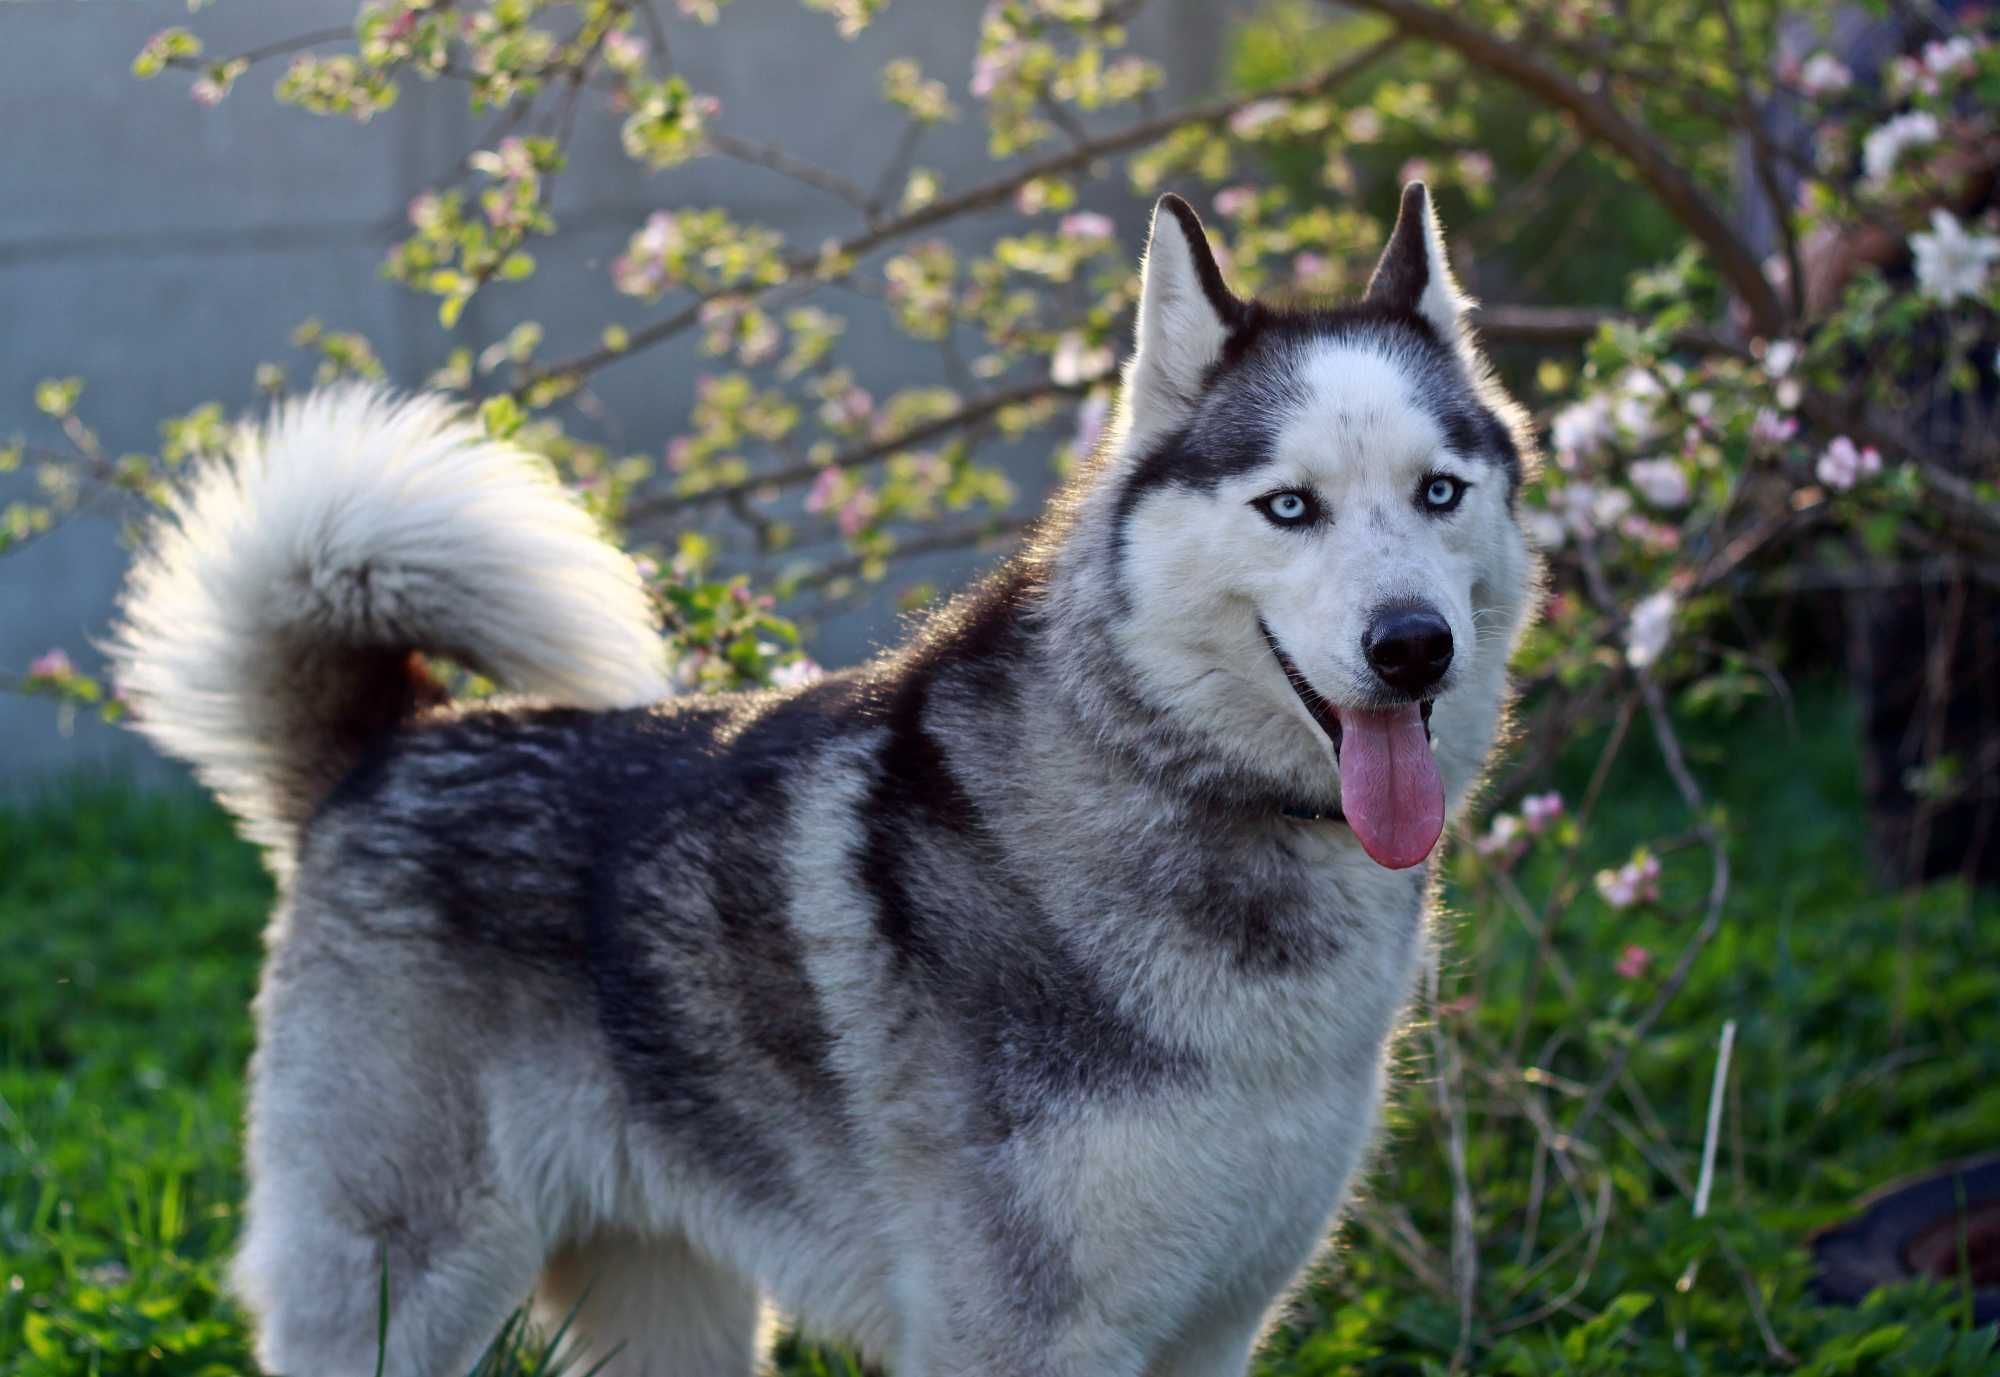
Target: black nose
column 1410, row 648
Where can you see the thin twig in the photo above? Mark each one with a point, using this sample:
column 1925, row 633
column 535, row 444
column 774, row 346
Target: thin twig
column 1464, row 1218
column 777, row 160
column 252, row 56
column 970, row 413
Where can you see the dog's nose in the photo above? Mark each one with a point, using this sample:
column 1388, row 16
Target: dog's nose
column 1409, row 647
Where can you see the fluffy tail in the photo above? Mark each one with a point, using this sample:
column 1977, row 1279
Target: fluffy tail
column 268, row 633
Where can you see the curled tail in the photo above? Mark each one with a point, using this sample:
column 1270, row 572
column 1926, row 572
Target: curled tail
column 268, row 632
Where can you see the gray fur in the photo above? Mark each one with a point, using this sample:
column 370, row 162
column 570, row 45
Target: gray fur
column 981, row 1007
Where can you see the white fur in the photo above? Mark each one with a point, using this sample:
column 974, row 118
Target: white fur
column 1177, row 335
column 1443, row 304
column 354, row 521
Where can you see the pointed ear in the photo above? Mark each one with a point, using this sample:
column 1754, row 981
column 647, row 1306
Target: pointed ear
column 1186, row 311
column 1413, row 275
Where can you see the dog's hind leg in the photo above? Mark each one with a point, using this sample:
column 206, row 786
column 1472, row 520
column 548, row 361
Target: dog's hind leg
column 317, row 1286
column 650, row 1308
column 372, row 1175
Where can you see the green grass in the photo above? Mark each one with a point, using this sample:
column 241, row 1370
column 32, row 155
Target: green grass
column 1868, row 1047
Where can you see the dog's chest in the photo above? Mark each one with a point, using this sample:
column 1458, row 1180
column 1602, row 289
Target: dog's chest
column 1206, row 1199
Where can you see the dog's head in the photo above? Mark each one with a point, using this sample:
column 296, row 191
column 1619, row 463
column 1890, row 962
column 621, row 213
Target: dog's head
column 1310, row 518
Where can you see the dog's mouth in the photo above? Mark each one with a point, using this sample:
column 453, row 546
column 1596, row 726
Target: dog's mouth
column 1390, row 791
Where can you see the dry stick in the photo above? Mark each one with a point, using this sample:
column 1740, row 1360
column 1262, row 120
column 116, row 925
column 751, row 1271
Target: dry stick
column 1403, row 1241
column 1603, row 121
column 1464, row 1249
column 1562, row 1302
column 985, row 196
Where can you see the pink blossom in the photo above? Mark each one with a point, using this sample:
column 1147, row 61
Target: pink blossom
column 1415, row 170
column 1259, row 115
column 1843, row 464
column 648, row 568
column 1090, row 418
column 207, row 91
column 1653, row 536
column 1633, row 962
column 1476, row 168
column 989, row 69
column 426, row 210
column 857, row 404
column 1363, row 125
column 1635, row 882
column 1505, row 840
column 1311, row 267
column 1233, row 201
column 51, row 664
column 856, row 512
column 680, row 453
column 825, row 490
column 1086, row 224
column 1768, row 429
column 401, row 26
column 624, row 52
column 1075, row 362
column 1540, row 810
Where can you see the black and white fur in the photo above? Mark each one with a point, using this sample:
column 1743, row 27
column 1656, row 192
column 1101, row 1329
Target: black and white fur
column 1013, row 1004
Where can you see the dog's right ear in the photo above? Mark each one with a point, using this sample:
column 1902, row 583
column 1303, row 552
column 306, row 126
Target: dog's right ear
column 1186, row 310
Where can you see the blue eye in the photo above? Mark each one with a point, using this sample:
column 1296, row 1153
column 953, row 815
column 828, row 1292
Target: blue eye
column 1442, row 492
column 1292, row 507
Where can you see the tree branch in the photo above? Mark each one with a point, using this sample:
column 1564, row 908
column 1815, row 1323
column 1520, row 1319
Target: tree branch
column 1603, row 121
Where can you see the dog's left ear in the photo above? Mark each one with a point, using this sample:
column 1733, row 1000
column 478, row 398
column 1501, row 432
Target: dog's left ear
column 1413, row 274
column 1186, row 310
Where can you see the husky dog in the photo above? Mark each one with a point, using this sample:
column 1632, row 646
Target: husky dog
column 1016, row 1004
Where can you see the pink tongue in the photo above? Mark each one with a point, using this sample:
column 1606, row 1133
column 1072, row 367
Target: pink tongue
column 1389, row 785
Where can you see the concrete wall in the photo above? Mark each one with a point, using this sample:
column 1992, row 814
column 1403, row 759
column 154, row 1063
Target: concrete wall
column 162, row 250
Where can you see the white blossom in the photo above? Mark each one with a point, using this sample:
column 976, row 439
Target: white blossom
column 1661, row 482
column 1950, row 262
column 1824, row 75
column 1954, row 57
column 1844, row 464
column 1636, row 882
column 1652, row 624
column 1545, row 529
column 1887, row 142
column 1583, row 428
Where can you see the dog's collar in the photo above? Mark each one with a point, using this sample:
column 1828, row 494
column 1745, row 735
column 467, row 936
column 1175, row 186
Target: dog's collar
column 1299, row 812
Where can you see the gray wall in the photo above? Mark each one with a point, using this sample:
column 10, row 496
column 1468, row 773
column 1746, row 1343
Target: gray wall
column 162, row 250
